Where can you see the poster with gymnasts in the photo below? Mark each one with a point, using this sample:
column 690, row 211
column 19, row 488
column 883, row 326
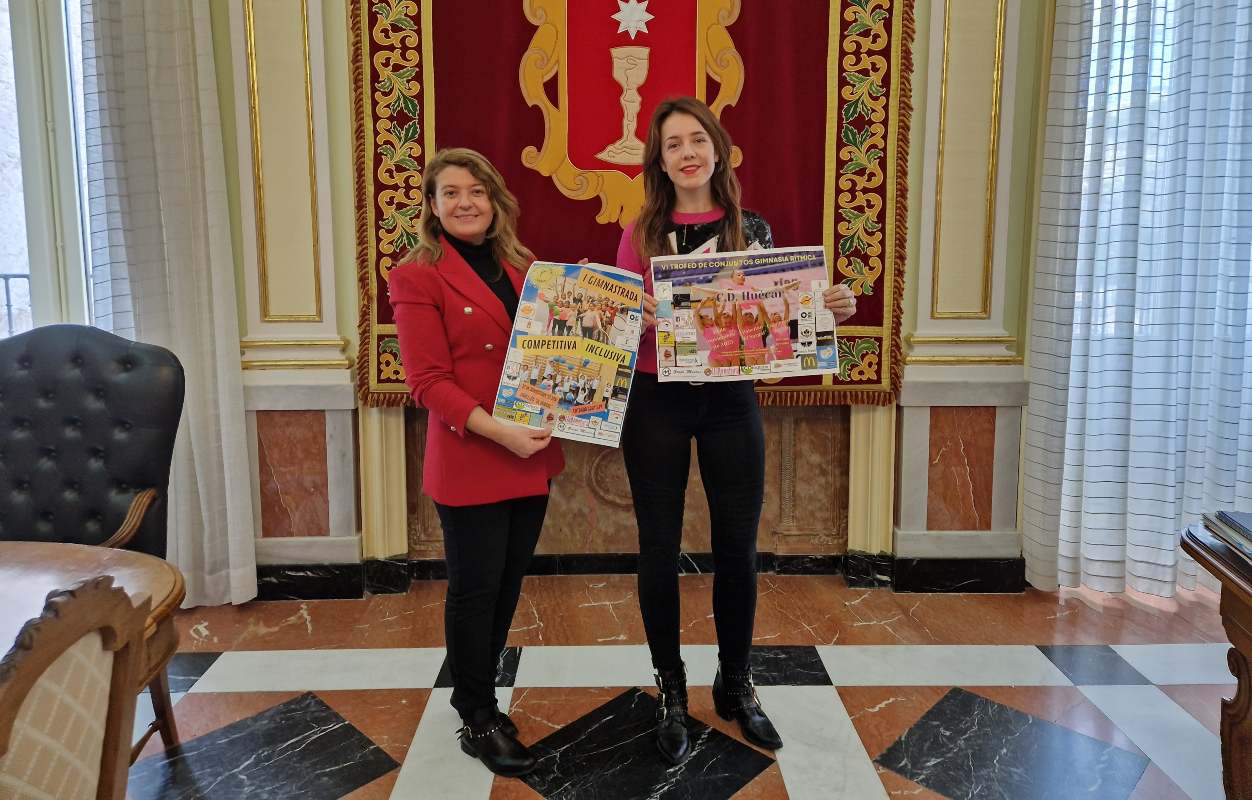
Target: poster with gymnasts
column 743, row 315
column 572, row 352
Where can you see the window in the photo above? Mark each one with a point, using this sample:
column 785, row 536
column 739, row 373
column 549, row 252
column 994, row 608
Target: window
column 15, row 314
column 43, row 260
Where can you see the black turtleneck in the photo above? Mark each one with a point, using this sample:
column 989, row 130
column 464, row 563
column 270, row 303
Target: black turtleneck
column 483, row 262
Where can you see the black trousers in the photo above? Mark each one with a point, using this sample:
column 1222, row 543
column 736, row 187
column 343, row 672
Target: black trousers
column 488, row 548
column 725, row 421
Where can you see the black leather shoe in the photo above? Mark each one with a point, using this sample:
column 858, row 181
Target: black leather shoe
column 671, row 716
column 735, row 698
column 506, row 723
column 499, row 752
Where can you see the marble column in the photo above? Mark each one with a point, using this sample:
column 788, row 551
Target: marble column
column 978, row 91
column 298, row 387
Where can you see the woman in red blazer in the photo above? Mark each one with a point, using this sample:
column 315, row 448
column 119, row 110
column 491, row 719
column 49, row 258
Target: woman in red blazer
column 454, row 300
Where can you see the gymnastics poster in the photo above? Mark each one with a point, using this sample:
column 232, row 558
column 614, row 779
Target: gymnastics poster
column 572, row 352
column 743, row 315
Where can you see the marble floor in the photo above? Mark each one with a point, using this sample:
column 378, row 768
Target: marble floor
column 1039, row 695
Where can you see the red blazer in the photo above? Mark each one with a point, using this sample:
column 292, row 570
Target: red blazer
column 454, row 333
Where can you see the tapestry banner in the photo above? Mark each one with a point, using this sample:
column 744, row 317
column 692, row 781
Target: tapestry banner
column 558, row 95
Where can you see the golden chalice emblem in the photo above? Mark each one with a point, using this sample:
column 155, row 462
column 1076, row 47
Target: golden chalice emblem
column 630, row 69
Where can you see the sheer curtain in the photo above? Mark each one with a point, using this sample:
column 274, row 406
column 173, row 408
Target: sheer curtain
column 1140, row 414
column 162, row 269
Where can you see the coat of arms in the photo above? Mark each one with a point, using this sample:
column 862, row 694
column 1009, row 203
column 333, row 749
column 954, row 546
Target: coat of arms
column 613, row 61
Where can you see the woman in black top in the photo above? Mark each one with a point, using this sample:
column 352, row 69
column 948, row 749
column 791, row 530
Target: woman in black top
column 691, row 195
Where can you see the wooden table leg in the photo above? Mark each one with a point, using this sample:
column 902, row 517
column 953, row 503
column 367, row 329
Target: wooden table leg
column 164, row 708
column 1235, row 574
column 1237, row 711
column 1237, row 730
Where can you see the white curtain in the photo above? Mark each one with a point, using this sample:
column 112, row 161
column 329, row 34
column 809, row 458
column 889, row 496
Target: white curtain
column 162, row 268
column 1140, row 414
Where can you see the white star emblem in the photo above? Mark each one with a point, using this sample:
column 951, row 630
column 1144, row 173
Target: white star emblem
column 632, row 17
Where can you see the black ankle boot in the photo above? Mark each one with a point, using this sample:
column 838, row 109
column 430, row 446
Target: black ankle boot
column 671, row 716
column 499, row 752
column 735, row 698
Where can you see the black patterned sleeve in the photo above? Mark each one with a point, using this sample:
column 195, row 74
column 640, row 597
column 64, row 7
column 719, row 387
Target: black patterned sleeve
column 756, row 229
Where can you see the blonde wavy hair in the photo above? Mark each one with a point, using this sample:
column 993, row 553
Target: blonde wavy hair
column 503, row 230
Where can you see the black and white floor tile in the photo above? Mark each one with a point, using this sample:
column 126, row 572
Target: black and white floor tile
column 294, row 750
column 965, row 745
column 1013, row 752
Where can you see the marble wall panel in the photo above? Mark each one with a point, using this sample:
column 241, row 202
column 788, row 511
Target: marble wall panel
column 291, row 455
column 961, row 468
column 806, row 495
column 805, row 508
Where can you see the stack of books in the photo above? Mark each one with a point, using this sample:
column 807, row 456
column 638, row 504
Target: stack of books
column 1233, row 528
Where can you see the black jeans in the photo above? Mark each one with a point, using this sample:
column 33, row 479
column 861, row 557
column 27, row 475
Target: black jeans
column 725, row 421
column 488, row 548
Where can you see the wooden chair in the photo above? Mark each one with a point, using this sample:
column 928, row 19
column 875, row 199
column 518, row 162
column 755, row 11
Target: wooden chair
column 67, row 696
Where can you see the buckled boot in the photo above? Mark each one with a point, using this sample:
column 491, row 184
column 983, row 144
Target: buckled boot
column 671, row 716
column 734, row 697
column 501, row 753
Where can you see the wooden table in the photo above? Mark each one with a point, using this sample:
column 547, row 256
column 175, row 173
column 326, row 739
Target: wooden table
column 30, row 570
column 1235, row 574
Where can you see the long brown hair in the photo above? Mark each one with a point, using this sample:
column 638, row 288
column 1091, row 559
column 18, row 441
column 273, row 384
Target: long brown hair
column 504, row 210
column 659, row 197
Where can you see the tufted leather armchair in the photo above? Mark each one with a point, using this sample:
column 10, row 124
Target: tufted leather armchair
column 87, row 428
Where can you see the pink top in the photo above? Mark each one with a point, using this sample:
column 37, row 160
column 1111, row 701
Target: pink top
column 753, row 337
column 723, row 344
column 627, row 258
column 780, row 335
